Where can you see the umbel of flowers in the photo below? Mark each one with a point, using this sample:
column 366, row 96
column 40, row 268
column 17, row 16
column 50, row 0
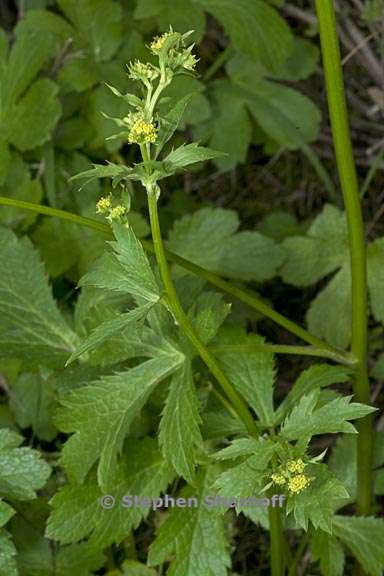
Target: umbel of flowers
column 292, row 476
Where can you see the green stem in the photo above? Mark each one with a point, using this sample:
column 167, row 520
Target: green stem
column 349, row 184
column 254, row 301
column 282, row 349
column 245, row 296
column 56, row 213
column 185, row 325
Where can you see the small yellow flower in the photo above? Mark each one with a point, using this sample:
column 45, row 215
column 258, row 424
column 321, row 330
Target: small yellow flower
column 296, row 466
column 278, row 479
column 142, row 132
column 139, row 71
column 117, row 212
column 298, row 483
column 103, row 205
column 158, row 42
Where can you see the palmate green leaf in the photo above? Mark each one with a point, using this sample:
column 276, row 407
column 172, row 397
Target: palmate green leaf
column 330, row 553
column 8, row 564
column 38, row 36
column 127, row 270
column 34, row 116
column 336, row 296
column 97, row 36
column 209, row 238
column 252, row 373
column 32, row 327
column 323, row 250
column 100, row 415
column 108, row 329
column 77, row 510
column 179, row 433
column 251, row 24
column 301, row 62
column 345, row 450
column 318, row 502
column 364, row 537
column 22, row 470
column 28, row 115
column 287, row 116
column 230, row 132
column 306, row 420
column 315, row 377
column 98, row 24
column 193, row 537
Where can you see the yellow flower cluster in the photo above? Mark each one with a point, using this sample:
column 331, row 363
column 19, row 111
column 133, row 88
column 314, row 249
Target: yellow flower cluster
column 158, row 42
column 278, row 479
column 293, row 476
column 295, row 466
column 117, row 212
column 298, row 483
column 103, row 205
column 140, row 71
column 142, row 132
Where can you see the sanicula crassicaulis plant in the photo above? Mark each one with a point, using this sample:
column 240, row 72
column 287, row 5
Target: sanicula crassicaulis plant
column 275, row 456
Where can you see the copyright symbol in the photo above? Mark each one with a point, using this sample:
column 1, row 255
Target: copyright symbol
column 107, row 501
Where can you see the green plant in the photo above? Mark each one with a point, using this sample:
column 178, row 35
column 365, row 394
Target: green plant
column 152, row 350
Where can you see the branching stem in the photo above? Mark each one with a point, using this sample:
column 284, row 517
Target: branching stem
column 245, row 296
column 186, row 326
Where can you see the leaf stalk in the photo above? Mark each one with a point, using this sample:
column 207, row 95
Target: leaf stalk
column 241, row 294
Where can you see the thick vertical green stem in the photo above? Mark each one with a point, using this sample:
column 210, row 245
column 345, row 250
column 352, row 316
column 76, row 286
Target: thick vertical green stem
column 349, row 184
column 184, row 323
